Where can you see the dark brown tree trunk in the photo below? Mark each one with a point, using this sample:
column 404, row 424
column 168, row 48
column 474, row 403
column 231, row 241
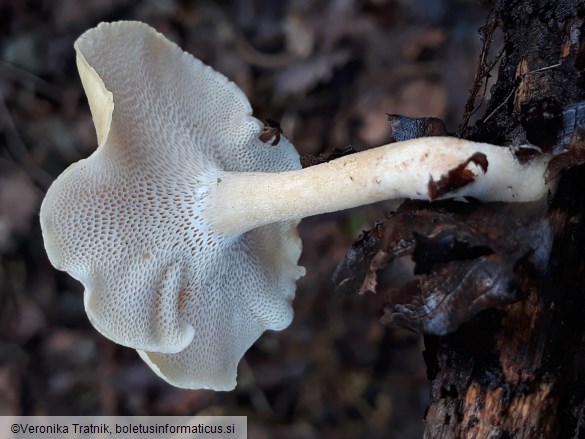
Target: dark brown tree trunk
column 519, row 371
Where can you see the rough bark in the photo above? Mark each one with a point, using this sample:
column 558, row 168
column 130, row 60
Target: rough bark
column 518, row 371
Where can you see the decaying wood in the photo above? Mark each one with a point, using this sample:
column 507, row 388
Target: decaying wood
column 517, row 371
column 503, row 370
column 468, row 257
column 514, row 373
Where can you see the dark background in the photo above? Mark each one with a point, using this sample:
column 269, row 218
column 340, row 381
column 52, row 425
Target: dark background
column 328, row 71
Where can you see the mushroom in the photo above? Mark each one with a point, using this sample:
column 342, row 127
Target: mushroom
column 181, row 226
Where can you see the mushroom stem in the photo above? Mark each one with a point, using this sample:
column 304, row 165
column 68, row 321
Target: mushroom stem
column 246, row 200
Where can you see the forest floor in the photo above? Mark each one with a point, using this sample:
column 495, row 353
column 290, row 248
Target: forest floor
column 329, row 71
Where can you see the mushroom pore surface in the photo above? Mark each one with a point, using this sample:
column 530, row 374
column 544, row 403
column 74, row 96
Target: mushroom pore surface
column 129, row 221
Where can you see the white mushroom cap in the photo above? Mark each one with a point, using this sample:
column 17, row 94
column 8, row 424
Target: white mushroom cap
column 129, row 224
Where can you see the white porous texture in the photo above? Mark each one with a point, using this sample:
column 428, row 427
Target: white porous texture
column 128, row 222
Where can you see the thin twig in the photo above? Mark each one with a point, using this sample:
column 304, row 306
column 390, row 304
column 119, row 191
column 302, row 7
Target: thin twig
column 501, row 105
column 25, row 77
column 515, row 88
column 483, row 70
column 542, row 69
column 18, row 150
column 14, row 141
